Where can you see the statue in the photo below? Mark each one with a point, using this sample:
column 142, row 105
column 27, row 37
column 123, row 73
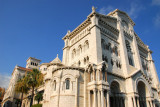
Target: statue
column 93, row 9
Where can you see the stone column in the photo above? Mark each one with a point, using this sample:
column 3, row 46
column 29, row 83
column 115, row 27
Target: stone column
column 58, row 91
column 89, row 98
column 99, row 99
column 89, row 76
column 94, row 74
column 134, row 101
column 153, row 104
column 101, row 75
column 147, row 103
column 102, row 98
column 85, row 90
column 108, row 101
column 138, row 101
column 76, row 93
column 95, row 98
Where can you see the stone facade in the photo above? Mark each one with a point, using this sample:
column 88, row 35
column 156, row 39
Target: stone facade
column 105, row 64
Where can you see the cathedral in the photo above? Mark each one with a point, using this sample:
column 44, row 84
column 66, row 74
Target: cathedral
column 105, row 64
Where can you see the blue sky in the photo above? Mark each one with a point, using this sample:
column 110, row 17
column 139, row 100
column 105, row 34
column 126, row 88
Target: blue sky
column 36, row 27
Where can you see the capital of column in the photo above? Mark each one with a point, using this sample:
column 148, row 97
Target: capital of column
column 77, row 76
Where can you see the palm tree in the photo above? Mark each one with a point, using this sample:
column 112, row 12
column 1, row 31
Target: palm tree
column 39, row 97
column 21, row 87
column 34, row 80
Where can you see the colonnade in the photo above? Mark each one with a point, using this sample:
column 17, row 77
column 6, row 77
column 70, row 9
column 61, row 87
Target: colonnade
column 99, row 98
column 117, row 101
column 142, row 102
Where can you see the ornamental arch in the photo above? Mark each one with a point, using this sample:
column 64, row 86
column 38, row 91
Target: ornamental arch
column 144, row 92
column 117, row 97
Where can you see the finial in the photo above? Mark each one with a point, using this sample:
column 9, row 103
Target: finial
column 68, row 32
column 57, row 55
column 93, row 9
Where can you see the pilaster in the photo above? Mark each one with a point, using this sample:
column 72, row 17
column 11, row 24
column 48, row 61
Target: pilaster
column 95, row 41
column 102, row 98
column 137, row 59
column 122, row 46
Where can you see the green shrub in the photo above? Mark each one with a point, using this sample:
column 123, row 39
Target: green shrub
column 37, row 105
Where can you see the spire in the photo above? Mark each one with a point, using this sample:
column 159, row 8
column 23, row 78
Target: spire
column 56, row 60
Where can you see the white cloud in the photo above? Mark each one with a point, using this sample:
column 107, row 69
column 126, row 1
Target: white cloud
column 106, row 10
column 134, row 10
column 4, row 81
column 156, row 2
column 157, row 20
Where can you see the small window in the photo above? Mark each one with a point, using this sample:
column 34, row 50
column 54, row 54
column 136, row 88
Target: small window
column 54, row 85
column 79, row 63
column 104, row 78
column 87, row 59
column 84, row 61
column 67, row 84
column 91, row 76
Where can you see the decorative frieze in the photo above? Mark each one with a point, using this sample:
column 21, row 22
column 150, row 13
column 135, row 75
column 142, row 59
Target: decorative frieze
column 79, row 36
column 109, row 27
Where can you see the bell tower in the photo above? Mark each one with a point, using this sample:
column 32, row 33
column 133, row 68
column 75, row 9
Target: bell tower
column 33, row 63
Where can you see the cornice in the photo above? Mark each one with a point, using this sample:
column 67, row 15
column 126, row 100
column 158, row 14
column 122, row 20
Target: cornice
column 78, row 29
column 69, row 67
column 86, row 23
column 139, row 41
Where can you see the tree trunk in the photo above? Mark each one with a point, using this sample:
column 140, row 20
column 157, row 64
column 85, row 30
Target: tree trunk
column 21, row 100
column 32, row 96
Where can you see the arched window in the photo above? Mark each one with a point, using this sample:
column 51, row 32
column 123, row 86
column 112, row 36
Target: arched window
column 86, row 45
column 103, row 43
column 109, row 46
column 79, row 50
column 128, row 46
column 116, row 50
column 84, row 61
column 79, row 63
column 87, row 59
column 73, row 53
column 104, row 78
column 67, row 83
column 91, row 76
column 54, row 85
column 130, row 60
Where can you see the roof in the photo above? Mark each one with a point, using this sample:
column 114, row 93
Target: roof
column 21, row 68
column 122, row 12
column 34, row 59
column 24, row 69
column 56, row 60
